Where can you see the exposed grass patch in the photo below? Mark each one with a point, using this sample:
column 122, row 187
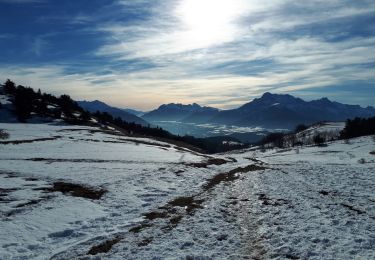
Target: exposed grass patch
column 29, row 203
column 350, row 207
column 30, row 141
column 271, row 202
column 210, row 161
column 145, row 242
column 104, row 247
column 143, row 142
column 175, row 220
column 189, row 203
column 52, row 160
column 176, row 209
column 31, row 179
column 230, row 176
column 140, row 227
column 3, row 134
column 77, row 190
column 155, row 214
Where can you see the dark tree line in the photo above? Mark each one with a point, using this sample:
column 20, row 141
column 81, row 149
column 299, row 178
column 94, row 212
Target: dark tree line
column 27, row 101
column 290, row 139
column 358, row 127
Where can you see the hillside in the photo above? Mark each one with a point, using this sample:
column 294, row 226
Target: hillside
column 24, row 104
column 93, row 106
column 77, row 191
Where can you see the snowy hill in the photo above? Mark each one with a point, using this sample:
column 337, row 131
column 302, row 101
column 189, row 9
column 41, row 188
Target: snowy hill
column 75, row 192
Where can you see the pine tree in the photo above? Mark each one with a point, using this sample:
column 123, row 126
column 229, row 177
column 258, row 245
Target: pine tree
column 9, row 87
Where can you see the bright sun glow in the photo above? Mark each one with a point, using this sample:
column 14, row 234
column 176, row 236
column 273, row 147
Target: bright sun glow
column 209, row 22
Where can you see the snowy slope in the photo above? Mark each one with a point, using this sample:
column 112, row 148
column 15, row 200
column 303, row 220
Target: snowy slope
column 138, row 173
column 166, row 202
column 312, row 203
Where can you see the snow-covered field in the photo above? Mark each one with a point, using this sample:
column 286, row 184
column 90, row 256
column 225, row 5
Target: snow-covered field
column 160, row 201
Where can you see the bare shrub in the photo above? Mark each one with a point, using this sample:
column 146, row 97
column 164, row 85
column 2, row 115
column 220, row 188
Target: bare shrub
column 3, row 134
column 362, row 161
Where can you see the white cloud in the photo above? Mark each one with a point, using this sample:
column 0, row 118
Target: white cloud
column 186, row 56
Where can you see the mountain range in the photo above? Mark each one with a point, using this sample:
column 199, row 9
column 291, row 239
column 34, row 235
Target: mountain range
column 93, row 106
column 269, row 111
column 272, row 111
column 193, row 113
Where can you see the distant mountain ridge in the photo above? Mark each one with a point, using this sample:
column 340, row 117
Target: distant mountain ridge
column 192, row 113
column 270, row 111
column 134, row 112
column 93, row 106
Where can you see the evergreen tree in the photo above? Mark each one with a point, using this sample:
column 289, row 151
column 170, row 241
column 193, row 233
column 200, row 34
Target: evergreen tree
column 9, row 87
column 23, row 102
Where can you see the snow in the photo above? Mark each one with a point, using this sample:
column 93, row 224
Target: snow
column 4, row 100
column 308, row 202
column 331, row 128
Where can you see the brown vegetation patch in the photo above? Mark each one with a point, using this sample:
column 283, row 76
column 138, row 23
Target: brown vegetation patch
column 155, row 214
column 290, row 256
column 176, row 209
column 178, row 172
column 145, row 242
column 77, row 190
column 327, row 193
column 271, row 202
column 140, row 227
column 90, row 140
column 52, row 160
column 189, row 203
column 30, row 141
column 170, row 211
column 6, row 191
column 31, row 179
column 358, row 211
column 104, row 247
column 29, row 203
column 232, row 159
column 175, row 220
column 138, row 142
column 210, row 161
column 230, row 176
column 255, row 160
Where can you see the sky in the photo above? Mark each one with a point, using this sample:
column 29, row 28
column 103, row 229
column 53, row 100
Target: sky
column 222, row 53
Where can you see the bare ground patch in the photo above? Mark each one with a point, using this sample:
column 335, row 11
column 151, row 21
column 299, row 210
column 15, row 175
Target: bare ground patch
column 104, row 247
column 77, row 190
column 206, row 163
column 139, row 142
column 270, row 201
column 230, row 176
column 15, row 142
column 178, row 208
column 350, row 207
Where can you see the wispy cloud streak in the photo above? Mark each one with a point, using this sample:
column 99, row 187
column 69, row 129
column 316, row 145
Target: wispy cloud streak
column 155, row 52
